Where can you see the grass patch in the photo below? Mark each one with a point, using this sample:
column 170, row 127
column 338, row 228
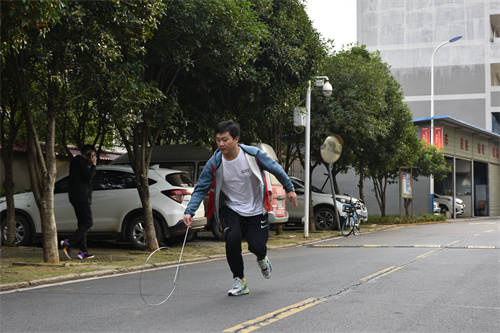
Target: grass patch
column 14, row 273
column 395, row 219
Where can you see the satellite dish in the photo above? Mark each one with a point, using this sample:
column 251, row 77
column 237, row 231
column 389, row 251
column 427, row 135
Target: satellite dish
column 331, row 149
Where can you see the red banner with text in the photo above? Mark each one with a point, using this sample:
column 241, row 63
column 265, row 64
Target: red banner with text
column 425, row 136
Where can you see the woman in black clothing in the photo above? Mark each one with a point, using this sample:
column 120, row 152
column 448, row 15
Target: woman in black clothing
column 81, row 171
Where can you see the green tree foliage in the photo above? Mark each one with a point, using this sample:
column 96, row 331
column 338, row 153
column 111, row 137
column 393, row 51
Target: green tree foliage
column 367, row 110
column 398, row 147
column 257, row 89
column 357, row 80
column 199, row 46
column 66, row 55
column 290, row 56
column 133, row 104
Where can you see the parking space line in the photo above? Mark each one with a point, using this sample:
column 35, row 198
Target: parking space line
column 255, row 324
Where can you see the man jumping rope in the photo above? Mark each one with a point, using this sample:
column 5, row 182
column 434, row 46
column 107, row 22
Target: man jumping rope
column 238, row 192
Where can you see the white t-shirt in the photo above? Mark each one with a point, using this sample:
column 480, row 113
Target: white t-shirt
column 241, row 186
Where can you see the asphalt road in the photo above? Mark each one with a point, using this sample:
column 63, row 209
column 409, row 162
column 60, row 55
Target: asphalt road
column 429, row 278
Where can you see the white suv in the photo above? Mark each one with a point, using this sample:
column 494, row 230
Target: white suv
column 116, row 207
column 446, row 202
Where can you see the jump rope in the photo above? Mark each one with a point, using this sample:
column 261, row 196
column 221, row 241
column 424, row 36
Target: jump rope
column 176, row 271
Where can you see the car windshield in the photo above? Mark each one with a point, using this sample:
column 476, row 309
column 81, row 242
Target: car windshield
column 179, row 179
column 300, row 184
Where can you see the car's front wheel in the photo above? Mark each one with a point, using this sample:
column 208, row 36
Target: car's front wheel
column 136, row 233
column 444, row 208
column 324, row 218
column 22, row 231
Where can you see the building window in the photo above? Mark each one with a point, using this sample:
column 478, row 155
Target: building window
column 495, row 122
column 495, row 74
column 495, row 26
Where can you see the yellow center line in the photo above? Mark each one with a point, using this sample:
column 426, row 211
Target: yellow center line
column 490, row 231
column 425, row 254
column 452, row 243
column 396, row 269
column 254, row 324
column 379, row 272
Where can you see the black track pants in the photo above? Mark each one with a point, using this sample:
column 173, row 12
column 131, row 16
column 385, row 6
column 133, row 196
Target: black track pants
column 256, row 231
column 83, row 214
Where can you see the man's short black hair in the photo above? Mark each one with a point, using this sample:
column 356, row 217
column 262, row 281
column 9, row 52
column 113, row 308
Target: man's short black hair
column 87, row 149
column 228, row 126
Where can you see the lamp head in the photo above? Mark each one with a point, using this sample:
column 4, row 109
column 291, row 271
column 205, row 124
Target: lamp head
column 454, row 39
column 327, row 89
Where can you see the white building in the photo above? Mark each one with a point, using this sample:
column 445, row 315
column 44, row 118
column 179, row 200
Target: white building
column 466, row 90
column 467, row 72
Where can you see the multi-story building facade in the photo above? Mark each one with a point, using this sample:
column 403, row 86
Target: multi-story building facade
column 466, row 94
column 467, row 72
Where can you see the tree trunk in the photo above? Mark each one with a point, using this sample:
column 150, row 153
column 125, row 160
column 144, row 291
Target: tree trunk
column 361, row 185
column 139, row 151
column 43, row 170
column 335, row 184
column 380, row 185
column 279, row 229
column 42, row 175
column 147, row 208
column 49, row 229
column 407, row 203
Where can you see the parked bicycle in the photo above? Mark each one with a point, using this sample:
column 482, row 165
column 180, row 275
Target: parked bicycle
column 352, row 220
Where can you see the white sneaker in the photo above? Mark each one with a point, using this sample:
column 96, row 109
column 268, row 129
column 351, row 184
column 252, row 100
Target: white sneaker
column 265, row 266
column 239, row 288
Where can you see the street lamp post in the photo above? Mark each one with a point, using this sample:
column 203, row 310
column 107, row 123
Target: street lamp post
column 321, row 81
column 431, row 130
